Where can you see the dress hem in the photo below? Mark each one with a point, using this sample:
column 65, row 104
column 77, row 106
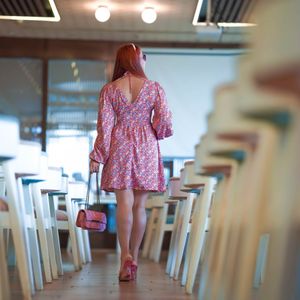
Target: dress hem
column 112, row 189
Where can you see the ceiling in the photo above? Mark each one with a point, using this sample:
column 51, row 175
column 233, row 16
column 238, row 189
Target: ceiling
column 72, row 98
column 174, row 23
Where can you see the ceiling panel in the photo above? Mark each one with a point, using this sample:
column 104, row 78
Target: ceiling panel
column 38, row 10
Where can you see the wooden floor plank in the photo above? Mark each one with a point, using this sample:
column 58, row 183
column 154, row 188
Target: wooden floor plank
column 99, row 280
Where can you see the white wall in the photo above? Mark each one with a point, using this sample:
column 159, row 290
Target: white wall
column 189, row 78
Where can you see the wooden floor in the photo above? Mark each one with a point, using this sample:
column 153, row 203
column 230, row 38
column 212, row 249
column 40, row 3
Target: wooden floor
column 98, row 280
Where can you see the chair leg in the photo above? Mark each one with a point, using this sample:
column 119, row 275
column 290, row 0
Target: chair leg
column 87, row 247
column 183, row 234
column 186, row 259
column 34, row 251
column 72, row 233
column 154, row 232
column 2, row 187
column 212, row 240
column 198, row 241
column 191, row 240
column 149, row 232
column 118, row 247
column 41, row 228
column 4, row 283
column 25, row 232
column 32, row 234
column 79, row 236
column 10, row 250
column 69, row 247
column 81, row 248
column 49, row 235
column 194, row 231
column 160, row 233
column 173, row 239
column 55, row 236
column 86, row 243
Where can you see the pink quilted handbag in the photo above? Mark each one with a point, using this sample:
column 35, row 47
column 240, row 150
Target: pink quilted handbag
column 91, row 219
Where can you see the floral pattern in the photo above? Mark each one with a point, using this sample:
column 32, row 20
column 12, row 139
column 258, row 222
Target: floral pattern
column 127, row 140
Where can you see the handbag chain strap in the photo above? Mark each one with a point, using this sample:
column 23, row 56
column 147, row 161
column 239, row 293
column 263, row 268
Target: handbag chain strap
column 88, row 190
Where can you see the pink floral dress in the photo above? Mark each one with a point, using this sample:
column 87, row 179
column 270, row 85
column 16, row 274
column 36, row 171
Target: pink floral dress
column 127, row 140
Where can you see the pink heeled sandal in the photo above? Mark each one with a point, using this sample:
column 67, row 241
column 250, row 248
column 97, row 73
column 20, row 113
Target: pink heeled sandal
column 134, row 268
column 125, row 272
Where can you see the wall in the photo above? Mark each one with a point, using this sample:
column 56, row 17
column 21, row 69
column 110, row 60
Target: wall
column 189, row 78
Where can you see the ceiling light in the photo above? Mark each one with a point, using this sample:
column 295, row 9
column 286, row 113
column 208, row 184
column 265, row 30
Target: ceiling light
column 102, row 14
column 149, row 15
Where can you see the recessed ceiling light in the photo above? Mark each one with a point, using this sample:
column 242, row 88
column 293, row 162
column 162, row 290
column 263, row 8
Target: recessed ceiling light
column 202, row 11
column 149, row 15
column 33, row 15
column 102, row 14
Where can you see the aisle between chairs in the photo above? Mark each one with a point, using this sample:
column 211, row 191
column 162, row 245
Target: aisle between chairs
column 99, row 280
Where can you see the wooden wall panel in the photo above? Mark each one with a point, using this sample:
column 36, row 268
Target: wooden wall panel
column 85, row 49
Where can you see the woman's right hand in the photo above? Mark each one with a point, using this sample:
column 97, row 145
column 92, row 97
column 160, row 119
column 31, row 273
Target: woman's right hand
column 94, row 166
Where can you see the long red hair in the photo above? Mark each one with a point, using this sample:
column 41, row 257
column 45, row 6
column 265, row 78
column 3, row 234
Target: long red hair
column 128, row 59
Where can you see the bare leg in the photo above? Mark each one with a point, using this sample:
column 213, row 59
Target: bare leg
column 125, row 201
column 139, row 222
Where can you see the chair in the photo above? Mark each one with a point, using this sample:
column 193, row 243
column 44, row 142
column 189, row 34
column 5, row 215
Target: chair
column 193, row 188
column 65, row 220
column 275, row 263
column 27, row 163
column 30, row 184
column 12, row 216
column 48, row 219
column 229, row 238
column 198, row 221
column 224, row 169
column 8, row 151
column 52, row 184
column 278, row 71
column 230, row 125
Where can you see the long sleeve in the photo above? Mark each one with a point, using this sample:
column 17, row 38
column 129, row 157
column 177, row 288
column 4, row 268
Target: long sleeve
column 162, row 119
column 105, row 124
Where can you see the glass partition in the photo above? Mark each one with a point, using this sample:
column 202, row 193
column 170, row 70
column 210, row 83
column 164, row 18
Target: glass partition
column 21, row 94
column 73, row 91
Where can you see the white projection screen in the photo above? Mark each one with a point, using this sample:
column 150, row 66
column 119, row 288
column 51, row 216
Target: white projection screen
column 189, row 78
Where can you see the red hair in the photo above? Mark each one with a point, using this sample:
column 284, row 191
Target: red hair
column 128, row 59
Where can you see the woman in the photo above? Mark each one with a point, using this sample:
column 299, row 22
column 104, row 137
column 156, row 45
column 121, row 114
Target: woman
column 127, row 145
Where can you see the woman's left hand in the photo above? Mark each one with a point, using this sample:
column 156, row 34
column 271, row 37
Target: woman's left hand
column 94, row 166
